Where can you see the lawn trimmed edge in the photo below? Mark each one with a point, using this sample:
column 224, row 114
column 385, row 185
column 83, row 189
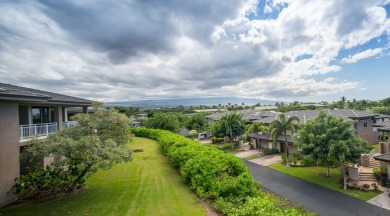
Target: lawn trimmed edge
column 311, row 174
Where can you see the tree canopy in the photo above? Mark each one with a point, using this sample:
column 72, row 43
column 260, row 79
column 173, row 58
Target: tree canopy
column 98, row 141
column 165, row 121
column 329, row 138
column 231, row 125
column 197, row 121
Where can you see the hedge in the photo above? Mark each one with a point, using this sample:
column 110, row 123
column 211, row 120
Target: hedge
column 211, row 173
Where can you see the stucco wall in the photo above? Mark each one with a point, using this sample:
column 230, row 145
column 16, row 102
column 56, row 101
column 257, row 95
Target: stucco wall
column 9, row 149
column 367, row 133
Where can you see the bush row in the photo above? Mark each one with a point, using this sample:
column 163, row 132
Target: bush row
column 217, row 140
column 210, row 172
column 214, row 175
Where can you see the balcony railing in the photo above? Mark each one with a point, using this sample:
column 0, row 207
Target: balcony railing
column 37, row 130
column 70, row 124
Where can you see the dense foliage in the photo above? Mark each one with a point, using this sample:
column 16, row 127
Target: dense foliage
column 230, row 125
column 328, row 138
column 280, row 127
column 165, row 121
column 214, row 175
column 98, row 141
column 197, row 122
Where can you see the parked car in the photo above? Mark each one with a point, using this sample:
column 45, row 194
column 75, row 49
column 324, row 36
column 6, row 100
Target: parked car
column 204, row 135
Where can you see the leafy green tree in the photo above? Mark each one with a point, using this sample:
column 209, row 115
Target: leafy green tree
column 257, row 127
column 347, row 149
column 231, row 125
column 281, row 126
column 98, row 141
column 386, row 103
column 329, row 138
column 165, row 121
column 197, row 122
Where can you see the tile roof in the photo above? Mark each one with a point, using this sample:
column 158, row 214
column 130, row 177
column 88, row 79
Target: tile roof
column 304, row 115
column 383, row 157
column 267, row 136
column 23, row 94
column 382, row 126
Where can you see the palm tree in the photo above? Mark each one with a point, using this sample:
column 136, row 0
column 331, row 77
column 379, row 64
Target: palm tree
column 281, row 126
column 230, row 121
column 257, row 127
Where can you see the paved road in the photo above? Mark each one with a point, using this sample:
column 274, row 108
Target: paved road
column 311, row 196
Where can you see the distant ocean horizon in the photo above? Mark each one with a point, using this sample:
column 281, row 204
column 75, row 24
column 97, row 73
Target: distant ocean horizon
column 187, row 102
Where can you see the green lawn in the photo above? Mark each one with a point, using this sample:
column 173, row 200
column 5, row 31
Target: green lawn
column 149, row 185
column 313, row 174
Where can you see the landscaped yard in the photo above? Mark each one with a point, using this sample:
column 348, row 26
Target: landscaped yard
column 148, row 185
column 314, row 174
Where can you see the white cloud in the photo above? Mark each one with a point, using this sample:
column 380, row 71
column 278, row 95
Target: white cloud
column 181, row 49
column 362, row 55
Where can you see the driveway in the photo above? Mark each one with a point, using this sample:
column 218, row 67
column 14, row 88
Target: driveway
column 267, row 160
column 381, row 200
column 311, row 196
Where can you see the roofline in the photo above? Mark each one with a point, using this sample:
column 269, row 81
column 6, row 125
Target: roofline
column 381, row 159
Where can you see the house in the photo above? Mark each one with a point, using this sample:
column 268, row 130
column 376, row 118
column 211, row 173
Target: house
column 364, row 125
column 384, row 147
column 27, row 113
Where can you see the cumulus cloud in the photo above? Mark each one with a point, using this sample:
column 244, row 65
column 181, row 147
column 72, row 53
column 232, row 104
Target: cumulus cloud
column 122, row 50
column 362, row 55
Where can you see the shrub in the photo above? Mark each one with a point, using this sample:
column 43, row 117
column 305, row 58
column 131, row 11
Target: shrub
column 270, row 151
column 214, row 175
column 209, row 172
column 366, row 186
column 375, row 186
column 284, row 158
column 307, row 161
column 217, row 140
column 293, row 160
column 381, row 175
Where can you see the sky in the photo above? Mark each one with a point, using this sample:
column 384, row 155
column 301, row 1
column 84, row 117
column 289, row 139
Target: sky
column 147, row 49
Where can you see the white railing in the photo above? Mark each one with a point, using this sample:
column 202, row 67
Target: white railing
column 70, row 124
column 37, row 130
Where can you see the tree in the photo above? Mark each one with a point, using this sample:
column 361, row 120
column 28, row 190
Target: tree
column 231, row 125
column 326, row 138
column 386, row 103
column 97, row 141
column 165, row 121
column 257, row 127
column 197, row 122
column 347, row 149
column 281, row 126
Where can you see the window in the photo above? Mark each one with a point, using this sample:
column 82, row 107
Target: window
column 365, row 124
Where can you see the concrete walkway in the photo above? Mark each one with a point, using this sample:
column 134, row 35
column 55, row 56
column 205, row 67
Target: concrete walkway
column 268, row 160
column 311, row 196
column 382, row 200
column 247, row 153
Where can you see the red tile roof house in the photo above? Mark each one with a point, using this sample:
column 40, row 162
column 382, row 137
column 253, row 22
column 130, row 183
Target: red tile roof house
column 26, row 113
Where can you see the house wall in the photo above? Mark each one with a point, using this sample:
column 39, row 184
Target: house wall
column 264, row 144
column 9, row 149
column 367, row 133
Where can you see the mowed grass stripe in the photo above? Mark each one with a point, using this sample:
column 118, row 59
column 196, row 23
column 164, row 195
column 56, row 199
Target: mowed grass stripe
column 148, row 185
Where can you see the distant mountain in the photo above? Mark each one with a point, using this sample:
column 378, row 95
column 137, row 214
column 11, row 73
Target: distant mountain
column 187, row 102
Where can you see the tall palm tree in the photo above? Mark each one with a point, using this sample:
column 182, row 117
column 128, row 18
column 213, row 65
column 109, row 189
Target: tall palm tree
column 257, row 127
column 281, row 126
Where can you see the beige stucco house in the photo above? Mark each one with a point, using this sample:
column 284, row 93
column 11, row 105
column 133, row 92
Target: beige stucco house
column 26, row 113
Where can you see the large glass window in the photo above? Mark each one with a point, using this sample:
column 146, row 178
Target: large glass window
column 42, row 115
column 36, row 115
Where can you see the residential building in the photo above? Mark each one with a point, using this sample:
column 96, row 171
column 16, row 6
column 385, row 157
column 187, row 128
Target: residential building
column 384, row 147
column 27, row 113
column 364, row 125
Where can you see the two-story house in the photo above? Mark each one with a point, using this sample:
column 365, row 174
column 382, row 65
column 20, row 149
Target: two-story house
column 27, row 113
column 364, row 125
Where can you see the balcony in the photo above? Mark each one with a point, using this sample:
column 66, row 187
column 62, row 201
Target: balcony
column 37, row 130
column 70, row 124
